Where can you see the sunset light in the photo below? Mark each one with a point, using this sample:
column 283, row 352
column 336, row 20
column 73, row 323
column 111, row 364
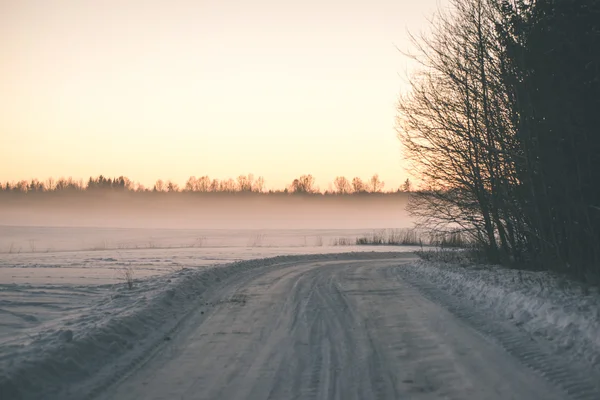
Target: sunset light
column 299, row 199
column 170, row 89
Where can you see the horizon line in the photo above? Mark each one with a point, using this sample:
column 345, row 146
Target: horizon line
column 204, row 184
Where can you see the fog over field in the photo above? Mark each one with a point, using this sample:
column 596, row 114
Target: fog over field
column 207, row 212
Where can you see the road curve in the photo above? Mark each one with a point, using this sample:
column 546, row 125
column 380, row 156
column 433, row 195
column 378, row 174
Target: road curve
column 345, row 329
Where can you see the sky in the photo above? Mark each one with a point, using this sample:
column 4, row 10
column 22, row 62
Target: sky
column 173, row 88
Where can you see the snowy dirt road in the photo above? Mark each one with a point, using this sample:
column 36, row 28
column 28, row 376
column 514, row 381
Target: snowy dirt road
column 341, row 329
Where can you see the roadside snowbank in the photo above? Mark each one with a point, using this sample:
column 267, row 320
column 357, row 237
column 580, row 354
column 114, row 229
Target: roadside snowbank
column 561, row 311
column 96, row 346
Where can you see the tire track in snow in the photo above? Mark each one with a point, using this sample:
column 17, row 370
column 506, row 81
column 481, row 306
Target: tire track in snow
column 328, row 329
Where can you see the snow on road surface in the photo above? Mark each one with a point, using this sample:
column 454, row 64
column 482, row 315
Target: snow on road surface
column 350, row 329
column 335, row 326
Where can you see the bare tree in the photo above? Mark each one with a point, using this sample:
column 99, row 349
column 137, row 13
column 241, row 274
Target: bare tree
column 244, row 183
column 191, row 185
column 228, row 186
column 172, row 186
column 215, row 185
column 305, row 184
column 203, row 184
column 159, row 186
column 407, row 186
column 358, row 185
column 259, row 185
column 375, row 184
column 50, row 184
column 454, row 127
column 342, row 185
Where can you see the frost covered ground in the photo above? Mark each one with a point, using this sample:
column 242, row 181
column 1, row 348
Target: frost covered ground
column 548, row 306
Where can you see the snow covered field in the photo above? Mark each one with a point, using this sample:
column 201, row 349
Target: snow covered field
column 46, row 272
column 57, row 280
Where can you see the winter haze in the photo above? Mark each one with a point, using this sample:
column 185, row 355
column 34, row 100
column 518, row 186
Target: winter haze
column 283, row 199
column 220, row 211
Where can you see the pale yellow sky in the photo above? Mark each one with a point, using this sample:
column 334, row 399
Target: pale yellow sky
column 171, row 88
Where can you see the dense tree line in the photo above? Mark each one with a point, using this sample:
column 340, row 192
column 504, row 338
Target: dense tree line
column 502, row 120
column 305, row 184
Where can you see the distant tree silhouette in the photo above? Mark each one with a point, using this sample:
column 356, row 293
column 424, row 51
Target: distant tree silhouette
column 375, row 184
column 36, row 186
column 342, row 185
column 228, row 186
column 249, row 184
column 50, row 184
column 242, row 184
column 203, row 184
column 191, row 185
column 304, row 185
column 215, row 185
column 259, row 185
column 159, row 186
column 172, row 187
column 358, row 185
column 121, row 183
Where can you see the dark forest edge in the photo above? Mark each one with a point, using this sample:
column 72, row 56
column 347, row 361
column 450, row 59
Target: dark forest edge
column 243, row 184
column 501, row 125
